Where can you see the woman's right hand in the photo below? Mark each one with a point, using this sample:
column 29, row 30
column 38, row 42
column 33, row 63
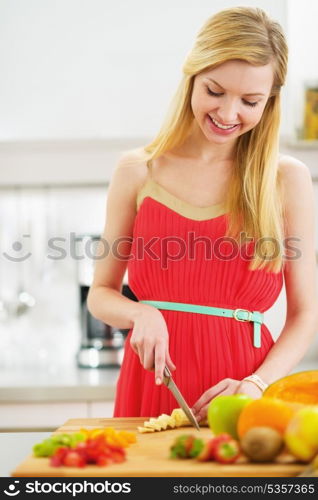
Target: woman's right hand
column 150, row 341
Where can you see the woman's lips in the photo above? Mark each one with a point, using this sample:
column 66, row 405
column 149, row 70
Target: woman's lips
column 221, row 131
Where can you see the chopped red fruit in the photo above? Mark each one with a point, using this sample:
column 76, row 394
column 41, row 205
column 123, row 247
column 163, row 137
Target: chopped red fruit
column 104, row 460
column 220, row 438
column 74, row 459
column 226, row 452
column 58, row 457
column 206, row 453
column 93, row 451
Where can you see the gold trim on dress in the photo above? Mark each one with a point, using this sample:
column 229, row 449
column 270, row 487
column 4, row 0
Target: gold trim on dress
column 154, row 190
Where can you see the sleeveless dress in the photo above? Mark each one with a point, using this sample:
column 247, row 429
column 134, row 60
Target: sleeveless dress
column 180, row 255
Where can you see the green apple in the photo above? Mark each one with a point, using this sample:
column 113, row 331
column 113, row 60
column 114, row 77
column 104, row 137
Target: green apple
column 301, row 435
column 224, row 411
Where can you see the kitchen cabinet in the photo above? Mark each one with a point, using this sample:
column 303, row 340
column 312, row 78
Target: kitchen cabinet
column 88, row 162
column 34, row 399
column 91, row 162
column 48, row 416
column 102, row 409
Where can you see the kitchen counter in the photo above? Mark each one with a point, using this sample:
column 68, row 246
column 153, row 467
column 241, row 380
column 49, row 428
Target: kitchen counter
column 149, row 457
column 70, row 384
column 57, row 384
column 15, row 446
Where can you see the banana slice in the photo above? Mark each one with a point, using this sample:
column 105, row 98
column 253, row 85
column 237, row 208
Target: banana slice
column 180, row 417
column 143, row 430
column 164, row 421
column 177, row 419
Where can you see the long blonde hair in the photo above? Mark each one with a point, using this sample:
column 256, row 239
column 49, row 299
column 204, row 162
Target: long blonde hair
column 255, row 197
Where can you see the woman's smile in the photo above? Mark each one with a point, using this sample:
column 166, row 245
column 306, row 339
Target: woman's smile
column 220, row 128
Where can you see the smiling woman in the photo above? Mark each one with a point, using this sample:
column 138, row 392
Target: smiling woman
column 212, row 175
column 228, row 108
column 239, row 54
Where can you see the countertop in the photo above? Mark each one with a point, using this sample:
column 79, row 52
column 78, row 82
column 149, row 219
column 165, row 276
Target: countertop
column 70, row 383
column 15, row 446
column 149, row 457
column 57, row 384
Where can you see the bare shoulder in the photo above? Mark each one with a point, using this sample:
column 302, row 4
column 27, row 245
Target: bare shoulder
column 127, row 177
column 132, row 164
column 296, row 178
column 291, row 168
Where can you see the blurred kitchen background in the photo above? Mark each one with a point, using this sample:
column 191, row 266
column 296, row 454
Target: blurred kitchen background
column 82, row 81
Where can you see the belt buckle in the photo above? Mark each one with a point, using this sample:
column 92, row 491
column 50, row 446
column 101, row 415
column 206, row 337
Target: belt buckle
column 244, row 310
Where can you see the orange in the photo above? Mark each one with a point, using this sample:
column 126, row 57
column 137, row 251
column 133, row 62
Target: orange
column 266, row 412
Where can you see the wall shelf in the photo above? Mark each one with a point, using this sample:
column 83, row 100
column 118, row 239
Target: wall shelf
column 301, row 144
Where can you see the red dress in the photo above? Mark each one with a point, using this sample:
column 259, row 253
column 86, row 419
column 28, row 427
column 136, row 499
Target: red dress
column 205, row 349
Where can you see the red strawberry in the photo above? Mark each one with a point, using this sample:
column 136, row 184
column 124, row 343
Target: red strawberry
column 118, row 457
column 74, row 459
column 207, row 452
column 58, row 456
column 103, row 460
column 218, row 439
column 226, row 452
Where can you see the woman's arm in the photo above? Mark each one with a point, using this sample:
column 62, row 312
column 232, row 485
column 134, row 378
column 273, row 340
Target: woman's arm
column 105, row 300
column 150, row 337
column 299, row 275
column 301, row 291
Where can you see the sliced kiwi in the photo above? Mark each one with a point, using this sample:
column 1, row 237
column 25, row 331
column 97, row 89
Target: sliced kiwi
column 261, row 444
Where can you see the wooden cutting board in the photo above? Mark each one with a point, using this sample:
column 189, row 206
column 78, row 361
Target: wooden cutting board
column 149, row 456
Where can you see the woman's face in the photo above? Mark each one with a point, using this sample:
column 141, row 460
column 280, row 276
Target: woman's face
column 229, row 100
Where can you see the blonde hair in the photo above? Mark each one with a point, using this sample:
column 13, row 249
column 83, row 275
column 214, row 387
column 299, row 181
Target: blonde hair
column 255, row 197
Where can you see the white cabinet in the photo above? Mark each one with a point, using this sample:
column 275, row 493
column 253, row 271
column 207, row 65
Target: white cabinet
column 103, row 409
column 62, row 162
column 49, row 416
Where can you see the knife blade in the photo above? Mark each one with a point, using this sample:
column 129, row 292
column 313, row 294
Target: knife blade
column 168, row 381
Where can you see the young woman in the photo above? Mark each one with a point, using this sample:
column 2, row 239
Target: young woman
column 210, row 220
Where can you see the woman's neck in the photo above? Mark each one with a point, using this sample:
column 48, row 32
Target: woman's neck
column 197, row 146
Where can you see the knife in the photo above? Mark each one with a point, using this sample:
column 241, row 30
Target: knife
column 168, row 381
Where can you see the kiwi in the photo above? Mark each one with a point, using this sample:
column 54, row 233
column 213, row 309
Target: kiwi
column 261, row 444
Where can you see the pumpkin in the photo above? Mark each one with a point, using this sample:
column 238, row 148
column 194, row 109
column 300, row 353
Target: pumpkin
column 301, row 387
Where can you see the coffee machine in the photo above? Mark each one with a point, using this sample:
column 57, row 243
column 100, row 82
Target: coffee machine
column 101, row 346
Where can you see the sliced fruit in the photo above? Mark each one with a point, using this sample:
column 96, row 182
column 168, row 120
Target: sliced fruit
column 206, row 453
column 226, row 451
column 74, row 459
column 301, row 387
column 186, row 446
column 177, row 419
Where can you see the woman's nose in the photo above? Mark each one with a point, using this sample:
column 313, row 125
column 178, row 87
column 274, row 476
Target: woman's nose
column 228, row 112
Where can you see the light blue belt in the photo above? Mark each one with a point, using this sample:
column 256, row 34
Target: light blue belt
column 238, row 314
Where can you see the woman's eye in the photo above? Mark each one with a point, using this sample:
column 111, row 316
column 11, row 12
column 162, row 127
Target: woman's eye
column 248, row 103
column 219, row 94
column 215, row 94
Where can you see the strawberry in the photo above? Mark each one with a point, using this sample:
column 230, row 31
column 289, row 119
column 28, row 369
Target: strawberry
column 58, row 457
column 103, row 460
column 186, row 446
column 226, row 451
column 206, row 453
column 93, row 451
column 74, row 459
column 218, row 439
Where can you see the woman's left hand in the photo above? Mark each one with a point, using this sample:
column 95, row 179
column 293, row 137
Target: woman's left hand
column 225, row 387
